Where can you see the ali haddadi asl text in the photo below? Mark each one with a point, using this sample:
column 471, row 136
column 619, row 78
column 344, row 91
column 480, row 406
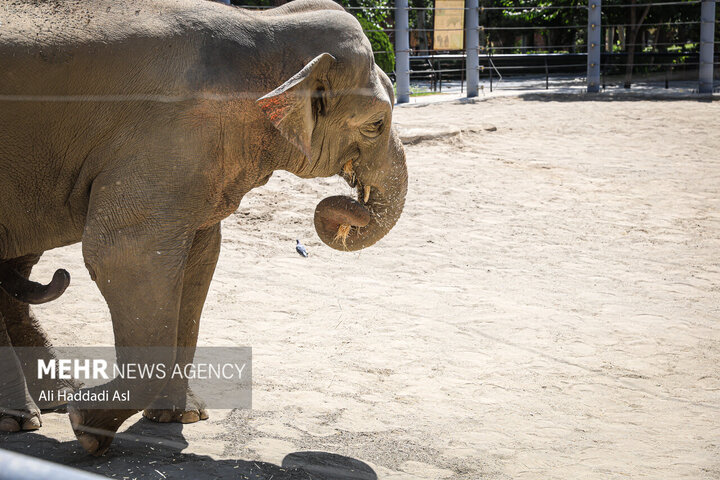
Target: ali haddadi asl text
column 66, row 395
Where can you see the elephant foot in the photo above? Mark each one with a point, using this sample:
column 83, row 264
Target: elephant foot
column 20, row 421
column 174, row 407
column 25, row 418
column 169, row 415
column 95, row 429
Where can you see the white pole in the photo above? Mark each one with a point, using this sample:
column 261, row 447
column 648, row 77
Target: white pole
column 593, row 46
column 707, row 50
column 472, row 42
column 402, row 51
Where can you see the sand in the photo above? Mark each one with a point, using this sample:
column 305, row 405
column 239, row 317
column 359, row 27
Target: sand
column 547, row 307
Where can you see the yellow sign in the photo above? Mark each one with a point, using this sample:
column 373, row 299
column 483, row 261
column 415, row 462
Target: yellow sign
column 449, row 22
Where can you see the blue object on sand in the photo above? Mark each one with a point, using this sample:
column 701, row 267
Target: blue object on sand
column 300, row 248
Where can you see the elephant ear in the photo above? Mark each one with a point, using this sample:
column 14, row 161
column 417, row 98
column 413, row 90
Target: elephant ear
column 290, row 106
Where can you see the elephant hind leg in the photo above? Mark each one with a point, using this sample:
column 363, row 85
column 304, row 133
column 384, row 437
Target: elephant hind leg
column 22, row 327
column 17, row 409
column 25, row 331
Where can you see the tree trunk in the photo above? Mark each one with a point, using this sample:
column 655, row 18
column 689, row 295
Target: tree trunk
column 422, row 34
column 634, row 30
column 609, row 39
column 551, row 40
column 660, row 39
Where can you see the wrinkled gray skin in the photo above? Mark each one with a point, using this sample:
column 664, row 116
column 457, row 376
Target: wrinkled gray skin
column 135, row 127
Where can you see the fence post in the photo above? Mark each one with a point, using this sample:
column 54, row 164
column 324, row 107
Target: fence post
column 707, row 50
column 472, row 42
column 402, row 51
column 593, row 45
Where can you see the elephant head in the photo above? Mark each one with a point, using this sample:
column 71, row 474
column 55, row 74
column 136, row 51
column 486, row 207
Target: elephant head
column 340, row 119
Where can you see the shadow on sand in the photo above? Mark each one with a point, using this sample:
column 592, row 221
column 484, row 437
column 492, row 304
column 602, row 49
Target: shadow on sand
column 138, row 453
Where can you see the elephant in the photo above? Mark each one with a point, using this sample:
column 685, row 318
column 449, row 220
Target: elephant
column 136, row 127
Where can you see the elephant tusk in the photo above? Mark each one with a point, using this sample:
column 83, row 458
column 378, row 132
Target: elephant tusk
column 350, row 172
column 366, row 195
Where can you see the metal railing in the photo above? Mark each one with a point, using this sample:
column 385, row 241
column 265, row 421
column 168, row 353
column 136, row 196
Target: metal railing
column 22, row 467
column 478, row 60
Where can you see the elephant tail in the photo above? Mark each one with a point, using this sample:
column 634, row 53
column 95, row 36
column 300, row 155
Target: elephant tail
column 27, row 291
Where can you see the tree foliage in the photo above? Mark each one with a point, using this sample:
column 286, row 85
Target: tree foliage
column 380, row 41
column 573, row 15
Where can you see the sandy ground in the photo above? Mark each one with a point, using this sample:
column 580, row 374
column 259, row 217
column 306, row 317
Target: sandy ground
column 547, row 307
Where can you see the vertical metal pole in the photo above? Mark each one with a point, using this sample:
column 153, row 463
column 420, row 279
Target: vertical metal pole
column 472, row 42
column 440, row 72
column 593, row 46
column 707, row 50
column 402, row 51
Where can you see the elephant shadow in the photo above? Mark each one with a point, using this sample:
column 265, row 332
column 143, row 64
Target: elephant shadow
column 149, row 450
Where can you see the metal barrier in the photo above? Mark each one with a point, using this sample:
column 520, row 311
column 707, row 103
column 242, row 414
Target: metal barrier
column 478, row 60
column 707, row 46
column 21, row 467
column 402, row 52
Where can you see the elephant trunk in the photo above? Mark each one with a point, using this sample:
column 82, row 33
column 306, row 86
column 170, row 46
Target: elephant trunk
column 344, row 223
column 27, row 291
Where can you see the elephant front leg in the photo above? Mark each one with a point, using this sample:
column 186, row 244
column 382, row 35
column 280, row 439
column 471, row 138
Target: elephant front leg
column 178, row 403
column 139, row 271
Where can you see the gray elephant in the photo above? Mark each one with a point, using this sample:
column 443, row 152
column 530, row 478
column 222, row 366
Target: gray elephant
column 135, row 127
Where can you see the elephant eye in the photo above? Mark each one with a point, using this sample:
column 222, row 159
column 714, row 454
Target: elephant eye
column 319, row 102
column 373, row 129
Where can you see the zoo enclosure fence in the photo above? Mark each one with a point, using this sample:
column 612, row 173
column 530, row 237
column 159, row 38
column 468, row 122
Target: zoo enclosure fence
column 591, row 56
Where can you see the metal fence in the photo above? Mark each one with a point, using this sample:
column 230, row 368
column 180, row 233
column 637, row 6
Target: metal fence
column 590, row 62
column 22, row 467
